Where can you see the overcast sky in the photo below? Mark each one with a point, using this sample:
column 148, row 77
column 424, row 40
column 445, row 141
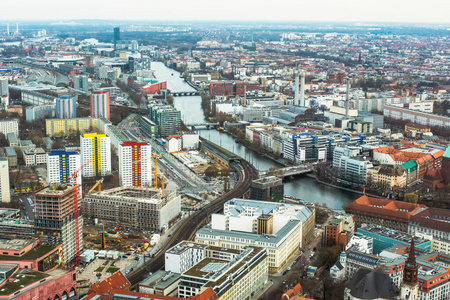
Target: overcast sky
column 415, row 11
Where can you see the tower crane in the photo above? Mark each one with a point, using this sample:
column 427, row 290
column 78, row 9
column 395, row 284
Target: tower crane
column 75, row 204
column 99, row 184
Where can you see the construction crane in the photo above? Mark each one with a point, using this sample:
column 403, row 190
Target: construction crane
column 75, row 211
column 103, row 237
column 99, row 184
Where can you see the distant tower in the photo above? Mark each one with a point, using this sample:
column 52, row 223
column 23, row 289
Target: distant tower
column 359, row 59
column 347, row 101
column 17, row 27
column 302, row 89
column 116, row 36
column 7, row 29
column 296, row 88
column 409, row 289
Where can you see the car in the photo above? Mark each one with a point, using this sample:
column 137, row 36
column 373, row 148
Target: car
column 288, row 269
column 284, row 273
column 137, row 258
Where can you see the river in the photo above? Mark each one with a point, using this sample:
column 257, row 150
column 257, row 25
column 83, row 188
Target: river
column 304, row 187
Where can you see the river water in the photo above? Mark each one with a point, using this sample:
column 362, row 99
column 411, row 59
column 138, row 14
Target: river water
column 304, row 187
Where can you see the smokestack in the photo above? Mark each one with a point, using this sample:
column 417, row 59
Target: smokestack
column 296, row 88
column 347, row 102
column 7, row 29
column 302, row 90
column 17, row 27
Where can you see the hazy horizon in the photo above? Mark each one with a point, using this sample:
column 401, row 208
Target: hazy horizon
column 285, row 11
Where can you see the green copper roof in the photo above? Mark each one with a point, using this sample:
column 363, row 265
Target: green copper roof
column 447, row 153
column 410, row 165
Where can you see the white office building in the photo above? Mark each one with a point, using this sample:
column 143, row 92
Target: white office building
column 275, row 226
column 11, row 125
column 5, row 195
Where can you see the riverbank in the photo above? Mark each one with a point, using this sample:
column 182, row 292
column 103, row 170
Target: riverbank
column 341, row 187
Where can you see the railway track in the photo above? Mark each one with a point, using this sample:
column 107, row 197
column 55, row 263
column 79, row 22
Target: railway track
column 246, row 175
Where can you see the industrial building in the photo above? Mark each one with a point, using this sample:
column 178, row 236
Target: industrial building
column 100, row 105
column 96, row 152
column 281, row 228
column 61, row 165
column 54, row 218
column 136, row 207
column 135, row 165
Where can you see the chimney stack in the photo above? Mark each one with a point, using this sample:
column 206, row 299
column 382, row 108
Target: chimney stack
column 296, row 88
column 17, row 27
column 347, row 102
column 302, row 90
column 7, row 29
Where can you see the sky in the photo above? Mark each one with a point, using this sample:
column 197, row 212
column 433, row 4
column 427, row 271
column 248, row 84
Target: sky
column 399, row 11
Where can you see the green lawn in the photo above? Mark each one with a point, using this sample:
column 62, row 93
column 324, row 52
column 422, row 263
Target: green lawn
column 112, row 270
column 99, row 269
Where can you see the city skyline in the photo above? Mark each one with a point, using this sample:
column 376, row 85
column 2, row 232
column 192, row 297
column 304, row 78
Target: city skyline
column 251, row 10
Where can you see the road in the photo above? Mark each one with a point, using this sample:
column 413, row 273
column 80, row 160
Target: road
column 27, row 206
column 189, row 226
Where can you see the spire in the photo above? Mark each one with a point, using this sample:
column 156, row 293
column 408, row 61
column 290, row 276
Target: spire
column 411, row 268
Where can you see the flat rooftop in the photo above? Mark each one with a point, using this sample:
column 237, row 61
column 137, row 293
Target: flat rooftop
column 57, row 189
column 33, row 254
column 14, row 244
column 161, row 279
column 129, row 192
column 184, row 245
column 22, row 279
column 8, row 212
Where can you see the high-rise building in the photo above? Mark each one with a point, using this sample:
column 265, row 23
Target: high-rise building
column 95, row 149
column 116, row 36
column 135, row 165
column 9, row 125
column 61, row 165
column 4, row 180
column 66, row 107
column 4, row 90
column 54, row 218
column 81, row 83
column 100, row 105
column 268, row 188
column 167, row 119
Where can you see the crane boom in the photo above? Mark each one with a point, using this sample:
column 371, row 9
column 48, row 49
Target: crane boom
column 75, row 211
column 99, row 184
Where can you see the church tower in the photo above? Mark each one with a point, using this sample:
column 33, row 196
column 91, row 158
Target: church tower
column 409, row 289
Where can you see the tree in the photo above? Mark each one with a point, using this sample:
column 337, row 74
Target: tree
column 241, row 135
column 3, row 140
column 57, row 145
column 411, row 197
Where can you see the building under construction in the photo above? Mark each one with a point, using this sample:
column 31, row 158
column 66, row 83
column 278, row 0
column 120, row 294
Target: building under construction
column 136, row 207
column 54, row 218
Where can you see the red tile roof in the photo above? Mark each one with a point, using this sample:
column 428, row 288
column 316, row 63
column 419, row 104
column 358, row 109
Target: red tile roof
column 383, row 208
column 115, row 281
column 434, row 218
